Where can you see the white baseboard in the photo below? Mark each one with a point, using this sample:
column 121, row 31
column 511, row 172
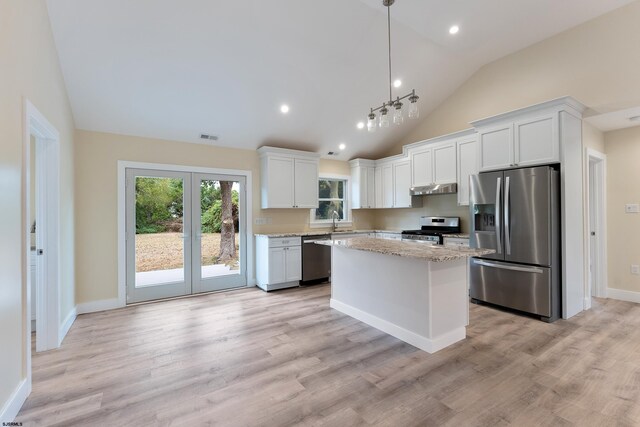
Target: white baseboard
column 12, row 406
column 100, row 305
column 622, row 295
column 423, row 343
column 66, row 325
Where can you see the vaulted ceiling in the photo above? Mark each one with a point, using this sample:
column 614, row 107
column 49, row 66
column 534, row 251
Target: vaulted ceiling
column 173, row 70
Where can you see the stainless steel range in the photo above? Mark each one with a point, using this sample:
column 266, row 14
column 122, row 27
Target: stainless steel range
column 432, row 229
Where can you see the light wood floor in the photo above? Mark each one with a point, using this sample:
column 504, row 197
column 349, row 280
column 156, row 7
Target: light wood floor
column 252, row 358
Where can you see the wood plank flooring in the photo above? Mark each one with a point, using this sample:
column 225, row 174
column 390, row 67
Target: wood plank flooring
column 248, row 358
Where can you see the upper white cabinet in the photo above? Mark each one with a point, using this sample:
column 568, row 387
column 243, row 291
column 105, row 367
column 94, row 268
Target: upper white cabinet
column 422, row 161
column 378, row 187
column 529, row 140
column 387, row 185
column 495, row 147
column 536, row 140
column 289, row 178
column 363, row 184
column 402, row 184
column 433, row 164
column 444, row 163
column 467, row 166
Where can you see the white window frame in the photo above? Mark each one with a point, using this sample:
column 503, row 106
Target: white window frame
column 347, row 222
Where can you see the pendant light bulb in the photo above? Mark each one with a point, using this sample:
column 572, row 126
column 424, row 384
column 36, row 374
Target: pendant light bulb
column 384, row 118
column 371, row 122
column 414, row 112
column 398, row 118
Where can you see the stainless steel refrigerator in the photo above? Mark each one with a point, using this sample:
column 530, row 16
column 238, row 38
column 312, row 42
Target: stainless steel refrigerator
column 517, row 213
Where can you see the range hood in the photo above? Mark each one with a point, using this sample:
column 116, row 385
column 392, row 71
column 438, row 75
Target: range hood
column 434, row 189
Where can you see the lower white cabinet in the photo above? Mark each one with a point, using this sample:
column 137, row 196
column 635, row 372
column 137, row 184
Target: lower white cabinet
column 278, row 262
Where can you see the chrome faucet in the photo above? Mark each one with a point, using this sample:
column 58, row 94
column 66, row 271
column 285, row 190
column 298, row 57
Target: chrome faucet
column 334, row 215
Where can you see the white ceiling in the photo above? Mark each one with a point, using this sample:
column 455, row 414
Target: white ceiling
column 616, row 119
column 173, row 70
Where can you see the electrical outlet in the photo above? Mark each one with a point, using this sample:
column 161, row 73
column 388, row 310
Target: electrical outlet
column 632, row 208
column 635, row 269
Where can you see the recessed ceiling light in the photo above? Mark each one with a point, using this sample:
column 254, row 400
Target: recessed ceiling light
column 284, row 108
column 360, row 125
column 397, row 83
column 342, row 146
column 454, row 29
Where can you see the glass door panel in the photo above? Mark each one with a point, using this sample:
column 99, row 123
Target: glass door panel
column 219, row 220
column 158, row 222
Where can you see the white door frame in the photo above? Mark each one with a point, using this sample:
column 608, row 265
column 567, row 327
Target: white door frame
column 122, row 248
column 596, row 164
column 48, row 224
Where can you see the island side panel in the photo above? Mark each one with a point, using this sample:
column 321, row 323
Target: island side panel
column 449, row 310
column 393, row 294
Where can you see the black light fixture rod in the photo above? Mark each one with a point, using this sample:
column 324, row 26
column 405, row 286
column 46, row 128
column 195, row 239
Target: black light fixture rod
column 389, row 36
column 390, row 103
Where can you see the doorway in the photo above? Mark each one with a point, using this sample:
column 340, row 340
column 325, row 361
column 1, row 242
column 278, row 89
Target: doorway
column 186, row 233
column 596, row 224
column 41, row 219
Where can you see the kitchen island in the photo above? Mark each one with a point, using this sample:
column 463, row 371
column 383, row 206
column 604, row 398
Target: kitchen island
column 415, row 292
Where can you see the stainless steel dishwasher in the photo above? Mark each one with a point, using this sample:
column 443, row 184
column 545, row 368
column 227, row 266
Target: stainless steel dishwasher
column 316, row 260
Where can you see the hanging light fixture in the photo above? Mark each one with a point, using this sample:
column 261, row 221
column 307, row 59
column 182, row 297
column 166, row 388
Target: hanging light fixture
column 395, row 105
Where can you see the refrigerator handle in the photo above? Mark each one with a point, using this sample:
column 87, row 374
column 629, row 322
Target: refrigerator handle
column 498, row 214
column 507, row 217
column 524, row 269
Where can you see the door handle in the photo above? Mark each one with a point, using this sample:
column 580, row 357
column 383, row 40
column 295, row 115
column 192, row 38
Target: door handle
column 40, row 252
column 508, row 267
column 507, row 217
column 498, row 221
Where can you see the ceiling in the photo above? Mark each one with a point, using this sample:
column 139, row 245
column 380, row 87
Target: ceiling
column 150, row 68
column 615, row 120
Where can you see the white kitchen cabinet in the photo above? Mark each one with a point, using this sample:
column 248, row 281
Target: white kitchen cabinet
column 363, row 185
column 378, row 187
column 387, row 185
column 278, row 262
column 293, row 263
column 306, row 184
column 422, row 170
column 536, row 141
column 528, row 141
column 495, row 147
column 433, row 164
column 402, row 184
column 444, row 163
column 289, row 178
column 467, row 166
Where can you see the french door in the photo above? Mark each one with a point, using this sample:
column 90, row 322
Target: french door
column 185, row 233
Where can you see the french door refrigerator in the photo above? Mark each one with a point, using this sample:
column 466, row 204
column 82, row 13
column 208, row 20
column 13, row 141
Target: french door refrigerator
column 517, row 213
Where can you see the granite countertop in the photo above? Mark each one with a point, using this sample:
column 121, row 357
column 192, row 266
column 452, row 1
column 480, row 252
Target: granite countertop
column 457, row 236
column 419, row 251
column 321, row 231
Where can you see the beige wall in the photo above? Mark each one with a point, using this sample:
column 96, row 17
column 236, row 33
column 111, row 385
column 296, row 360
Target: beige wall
column 623, row 186
column 97, row 155
column 591, row 62
column 29, row 69
column 595, row 63
column 403, row 219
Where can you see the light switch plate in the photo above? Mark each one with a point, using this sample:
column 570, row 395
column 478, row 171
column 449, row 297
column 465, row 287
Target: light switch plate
column 635, row 269
column 632, row 208
column 260, row 221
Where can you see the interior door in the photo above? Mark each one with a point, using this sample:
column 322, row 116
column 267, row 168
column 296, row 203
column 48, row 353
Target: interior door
column 219, row 230
column 158, row 239
column 485, row 204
